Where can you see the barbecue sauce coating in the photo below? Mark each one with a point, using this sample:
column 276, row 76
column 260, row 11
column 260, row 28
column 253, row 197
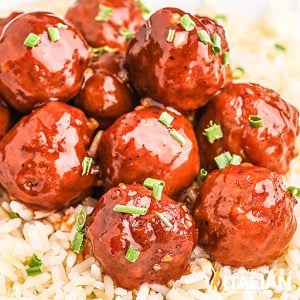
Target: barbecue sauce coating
column 138, row 146
column 41, row 157
column 5, row 119
column 4, row 21
column 183, row 73
column 106, row 94
column 51, row 71
column 271, row 146
column 125, row 14
column 164, row 252
column 245, row 216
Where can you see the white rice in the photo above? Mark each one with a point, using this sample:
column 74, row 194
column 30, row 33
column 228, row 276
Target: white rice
column 67, row 276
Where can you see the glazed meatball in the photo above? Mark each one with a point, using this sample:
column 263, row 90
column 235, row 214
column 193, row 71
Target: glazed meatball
column 271, row 146
column 164, row 237
column 106, row 94
column 4, row 21
column 102, row 21
column 183, row 71
column 4, row 119
column 138, row 146
column 41, row 157
column 245, row 216
column 49, row 71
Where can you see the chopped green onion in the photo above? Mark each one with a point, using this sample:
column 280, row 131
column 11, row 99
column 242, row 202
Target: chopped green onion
column 62, row 26
column 151, row 182
column 171, row 35
column 226, row 58
column 177, row 136
column 295, row 192
column 86, row 165
column 80, row 220
column 132, row 254
column 223, row 160
column 203, row 174
column 166, row 119
column 143, row 8
column 256, row 121
column 134, row 210
column 32, row 40
column 102, row 50
column 216, row 43
column 78, row 242
column 280, row 47
column 157, row 190
column 34, row 271
column 126, row 34
column 34, row 261
column 53, row 34
column 238, row 72
column 204, row 37
column 104, row 14
column 213, row 132
column 164, row 219
column 187, row 23
column 236, row 160
column 14, row 215
column 220, row 17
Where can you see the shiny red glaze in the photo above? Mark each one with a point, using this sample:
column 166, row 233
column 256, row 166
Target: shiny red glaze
column 138, row 146
column 51, row 71
column 183, row 77
column 271, row 146
column 245, row 216
column 41, row 157
column 164, row 252
column 126, row 13
column 4, row 21
column 5, row 119
column 106, row 94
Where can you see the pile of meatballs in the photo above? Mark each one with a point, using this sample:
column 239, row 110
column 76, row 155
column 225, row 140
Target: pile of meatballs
column 134, row 112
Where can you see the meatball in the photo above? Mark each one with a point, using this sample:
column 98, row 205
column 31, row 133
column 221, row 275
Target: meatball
column 244, row 216
column 4, row 21
column 180, row 71
column 106, row 94
column 164, row 237
column 138, row 146
column 102, row 21
column 271, row 146
column 41, row 157
column 4, row 119
column 49, row 71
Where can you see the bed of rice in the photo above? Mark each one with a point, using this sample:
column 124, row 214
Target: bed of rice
column 70, row 276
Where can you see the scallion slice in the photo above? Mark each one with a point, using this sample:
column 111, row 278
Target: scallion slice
column 34, row 271
column 295, row 192
column 62, row 26
column 223, row 160
column 80, row 220
column 256, row 121
column 177, row 136
column 204, row 37
column 164, row 219
column 187, row 23
column 238, row 72
column 171, row 35
column 226, row 58
column 203, row 174
column 104, row 14
column 126, row 209
column 86, row 165
column 102, row 50
column 220, row 17
column 150, row 182
column 280, row 47
column 14, row 215
column 235, row 160
column 53, row 34
column 132, row 254
column 213, row 132
column 166, row 119
column 78, row 242
column 216, row 43
column 34, row 261
column 32, row 40
column 157, row 190
column 126, row 34
column 143, row 8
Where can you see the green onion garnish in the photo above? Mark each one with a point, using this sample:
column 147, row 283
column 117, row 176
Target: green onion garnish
column 86, row 165
column 34, row 264
column 126, row 34
column 220, row 17
column 157, row 190
column 187, row 23
column 150, row 182
column 53, row 34
column 171, row 35
column 104, row 14
column 102, row 50
column 32, row 40
column 14, row 215
column 164, row 219
column 143, row 8
column 34, row 271
column 134, row 210
column 226, row 58
column 166, row 119
column 295, row 192
column 132, row 254
column 216, row 43
column 236, row 160
column 238, row 72
column 203, row 174
column 213, row 132
column 280, row 47
column 78, row 242
column 177, row 136
column 223, row 160
column 204, row 37
column 80, row 219
column 256, row 121
column 62, row 26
